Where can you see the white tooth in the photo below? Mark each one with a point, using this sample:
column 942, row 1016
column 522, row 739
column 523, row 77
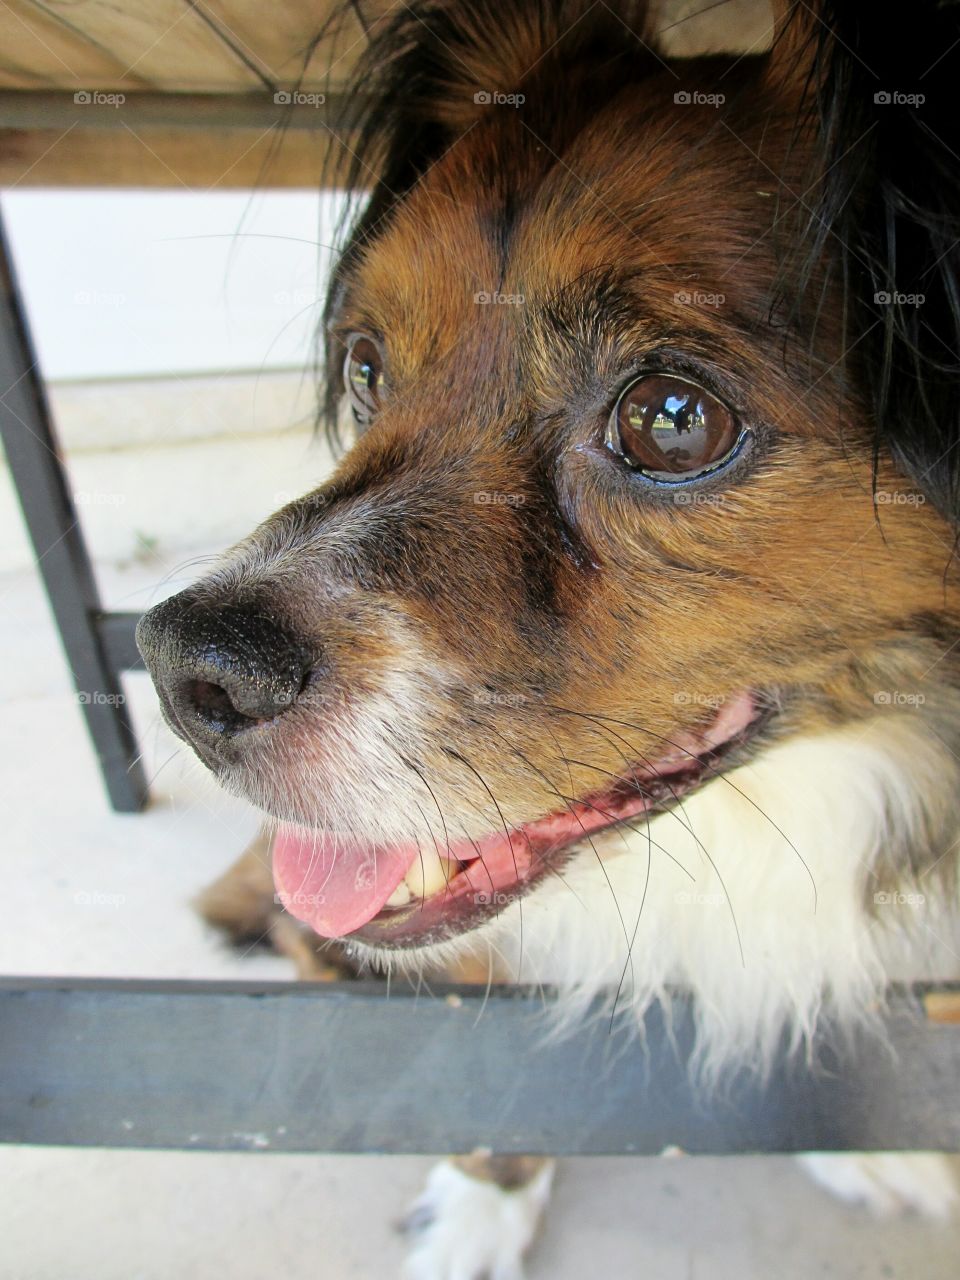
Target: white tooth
column 400, row 896
column 429, row 874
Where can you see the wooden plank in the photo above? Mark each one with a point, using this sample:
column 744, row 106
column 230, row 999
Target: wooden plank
column 164, row 43
column 285, row 48
column 193, row 141
column 291, row 1067
column 184, row 159
column 40, row 51
column 942, row 1006
column 691, row 28
column 59, row 110
column 183, row 45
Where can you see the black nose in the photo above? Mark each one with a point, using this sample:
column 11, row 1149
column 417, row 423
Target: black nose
column 220, row 670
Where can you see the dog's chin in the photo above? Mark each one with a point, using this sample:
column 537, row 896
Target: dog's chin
column 385, row 897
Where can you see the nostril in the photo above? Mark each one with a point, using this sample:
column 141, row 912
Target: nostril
column 236, row 704
column 215, row 708
column 209, row 697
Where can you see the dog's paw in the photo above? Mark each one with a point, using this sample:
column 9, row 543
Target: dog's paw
column 467, row 1228
column 887, row 1182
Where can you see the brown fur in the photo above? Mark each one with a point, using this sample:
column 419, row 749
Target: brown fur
column 508, row 1172
column 581, row 593
column 549, row 618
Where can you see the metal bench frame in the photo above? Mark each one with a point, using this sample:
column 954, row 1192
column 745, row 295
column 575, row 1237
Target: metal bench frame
column 236, row 1066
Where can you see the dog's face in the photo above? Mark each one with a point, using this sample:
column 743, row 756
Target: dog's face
column 608, row 525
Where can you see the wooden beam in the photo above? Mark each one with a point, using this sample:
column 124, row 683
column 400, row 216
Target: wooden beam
column 165, row 43
column 182, row 159
column 285, row 47
column 96, row 110
column 182, row 141
column 40, row 50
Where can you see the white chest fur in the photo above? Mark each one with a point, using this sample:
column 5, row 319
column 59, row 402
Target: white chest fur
column 755, row 893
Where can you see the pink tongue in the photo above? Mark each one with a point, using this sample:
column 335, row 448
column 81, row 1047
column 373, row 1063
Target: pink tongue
column 332, row 882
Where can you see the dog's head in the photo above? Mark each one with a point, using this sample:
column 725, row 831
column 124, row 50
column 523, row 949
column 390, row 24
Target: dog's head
column 654, row 461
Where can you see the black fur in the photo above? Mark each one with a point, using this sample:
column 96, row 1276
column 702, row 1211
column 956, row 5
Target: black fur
column 885, row 214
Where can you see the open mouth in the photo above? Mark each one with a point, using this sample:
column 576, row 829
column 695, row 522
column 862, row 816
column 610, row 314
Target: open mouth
column 406, row 895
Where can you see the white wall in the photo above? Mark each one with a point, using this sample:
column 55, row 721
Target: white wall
column 139, row 294
column 121, row 283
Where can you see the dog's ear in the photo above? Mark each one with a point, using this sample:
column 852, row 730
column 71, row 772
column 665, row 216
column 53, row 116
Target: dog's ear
column 882, row 213
column 435, row 69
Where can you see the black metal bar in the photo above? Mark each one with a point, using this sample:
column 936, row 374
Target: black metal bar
column 40, row 480
column 291, row 1067
column 118, row 636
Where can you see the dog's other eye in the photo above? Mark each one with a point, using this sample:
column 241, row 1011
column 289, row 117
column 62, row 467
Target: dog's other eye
column 672, row 430
column 363, row 378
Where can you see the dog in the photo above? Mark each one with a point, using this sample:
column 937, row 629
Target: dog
column 621, row 651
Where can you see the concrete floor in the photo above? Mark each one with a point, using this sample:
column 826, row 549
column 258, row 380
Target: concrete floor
column 88, row 892
column 96, row 1215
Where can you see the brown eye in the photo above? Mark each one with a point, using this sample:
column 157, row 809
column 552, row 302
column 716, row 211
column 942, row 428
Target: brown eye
column 363, row 378
column 670, row 429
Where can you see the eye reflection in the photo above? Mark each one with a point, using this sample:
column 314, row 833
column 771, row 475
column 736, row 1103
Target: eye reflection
column 363, row 378
column 667, row 428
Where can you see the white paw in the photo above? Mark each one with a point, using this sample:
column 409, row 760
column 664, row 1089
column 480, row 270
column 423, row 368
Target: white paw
column 887, row 1182
column 467, row 1229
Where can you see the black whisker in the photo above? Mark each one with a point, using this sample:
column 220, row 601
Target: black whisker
column 567, row 802
column 712, row 771
column 506, row 831
column 704, row 850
